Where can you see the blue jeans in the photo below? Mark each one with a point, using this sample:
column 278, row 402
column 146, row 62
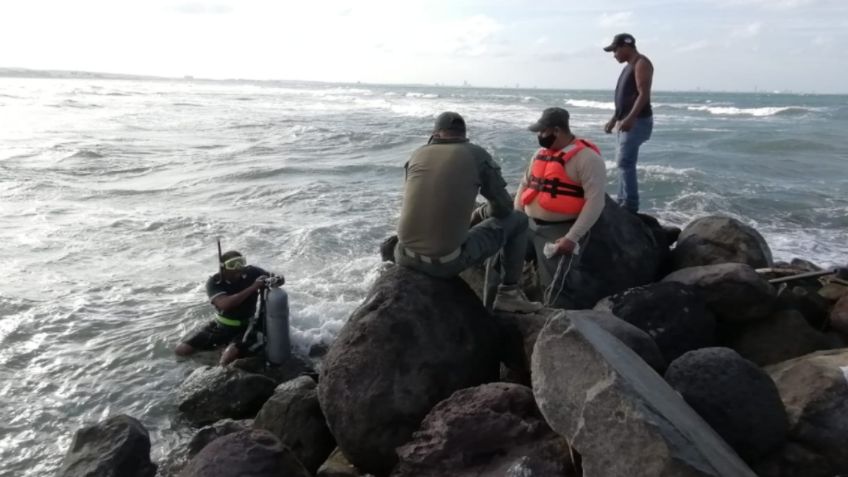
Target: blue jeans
column 626, row 156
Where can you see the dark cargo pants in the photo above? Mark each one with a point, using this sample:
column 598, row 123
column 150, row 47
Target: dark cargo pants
column 483, row 241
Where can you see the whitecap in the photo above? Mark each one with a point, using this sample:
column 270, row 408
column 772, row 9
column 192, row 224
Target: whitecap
column 422, row 95
column 585, row 103
column 763, row 111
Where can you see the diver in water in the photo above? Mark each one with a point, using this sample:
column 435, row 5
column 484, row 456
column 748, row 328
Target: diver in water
column 233, row 291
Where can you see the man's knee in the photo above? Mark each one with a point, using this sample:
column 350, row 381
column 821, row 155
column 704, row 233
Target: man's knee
column 516, row 222
column 183, row 349
column 230, row 354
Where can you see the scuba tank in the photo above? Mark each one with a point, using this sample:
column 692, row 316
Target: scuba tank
column 277, row 340
column 268, row 332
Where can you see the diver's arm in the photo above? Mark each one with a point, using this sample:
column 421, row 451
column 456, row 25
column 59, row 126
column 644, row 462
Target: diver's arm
column 227, row 303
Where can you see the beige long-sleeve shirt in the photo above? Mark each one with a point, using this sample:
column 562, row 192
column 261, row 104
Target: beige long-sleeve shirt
column 588, row 169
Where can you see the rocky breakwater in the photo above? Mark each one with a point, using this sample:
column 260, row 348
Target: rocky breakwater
column 708, row 370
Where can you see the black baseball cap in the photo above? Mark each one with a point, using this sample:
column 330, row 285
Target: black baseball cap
column 449, row 121
column 622, row 39
column 551, row 118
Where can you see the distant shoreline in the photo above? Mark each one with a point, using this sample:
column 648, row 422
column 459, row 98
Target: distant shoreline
column 12, row 72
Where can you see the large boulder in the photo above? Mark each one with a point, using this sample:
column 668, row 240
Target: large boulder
column 839, row 315
column 814, row 389
column 206, row 434
column 733, row 291
column 412, row 343
column 783, row 336
column 250, row 453
column 665, row 235
column 116, row 447
column 714, row 239
column 493, row 430
column 179, row 457
column 291, row 368
column 807, row 300
column 734, row 396
column 833, row 289
column 519, row 332
column 621, row 416
column 213, row 393
column 672, row 313
column 294, row 416
column 622, row 252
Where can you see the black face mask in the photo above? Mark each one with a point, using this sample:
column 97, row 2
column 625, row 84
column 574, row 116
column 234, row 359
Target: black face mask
column 547, row 141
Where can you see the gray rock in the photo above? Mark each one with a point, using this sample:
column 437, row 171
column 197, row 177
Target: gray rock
column 412, row 343
column 622, row 253
column 665, row 236
column 179, row 457
column 712, row 240
column 250, row 453
column 637, row 340
column 733, row 291
column 806, row 299
column 294, row 416
column 621, row 416
column 814, row 389
column 783, row 336
column 672, row 313
column 210, row 394
column 490, row 430
column 116, row 447
column 734, row 396
column 519, row 333
column 206, row 434
column 839, row 315
column 293, row 367
column 337, row 465
column 804, row 265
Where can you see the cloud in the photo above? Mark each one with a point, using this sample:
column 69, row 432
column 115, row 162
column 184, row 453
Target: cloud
column 471, row 36
column 747, row 31
column 770, row 4
column 202, row 8
column 616, row 20
column 821, row 40
column 695, row 46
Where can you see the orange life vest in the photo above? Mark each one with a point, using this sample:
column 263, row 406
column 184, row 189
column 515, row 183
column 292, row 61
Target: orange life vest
column 550, row 183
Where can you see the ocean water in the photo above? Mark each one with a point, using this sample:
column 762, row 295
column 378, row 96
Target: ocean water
column 112, row 193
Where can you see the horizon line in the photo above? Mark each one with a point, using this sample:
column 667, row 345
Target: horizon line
column 7, row 72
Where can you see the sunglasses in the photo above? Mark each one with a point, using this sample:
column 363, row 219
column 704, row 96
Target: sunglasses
column 235, row 263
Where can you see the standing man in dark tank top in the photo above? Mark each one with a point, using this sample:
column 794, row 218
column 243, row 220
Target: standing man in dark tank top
column 633, row 114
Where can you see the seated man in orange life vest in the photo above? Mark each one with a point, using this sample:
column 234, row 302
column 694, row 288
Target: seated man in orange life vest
column 563, row 194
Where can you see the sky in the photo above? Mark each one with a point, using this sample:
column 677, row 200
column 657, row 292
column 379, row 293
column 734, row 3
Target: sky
column 721, row 45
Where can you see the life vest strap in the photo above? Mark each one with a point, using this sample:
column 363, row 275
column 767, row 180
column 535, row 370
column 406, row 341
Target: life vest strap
column 555, row 187
column 228, row 321
column 557, row 158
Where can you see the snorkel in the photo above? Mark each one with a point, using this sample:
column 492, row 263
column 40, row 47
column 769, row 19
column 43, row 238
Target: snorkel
column 220, row 261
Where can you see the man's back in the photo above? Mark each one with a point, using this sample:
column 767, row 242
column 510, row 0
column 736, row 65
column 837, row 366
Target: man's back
column 442, row 182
